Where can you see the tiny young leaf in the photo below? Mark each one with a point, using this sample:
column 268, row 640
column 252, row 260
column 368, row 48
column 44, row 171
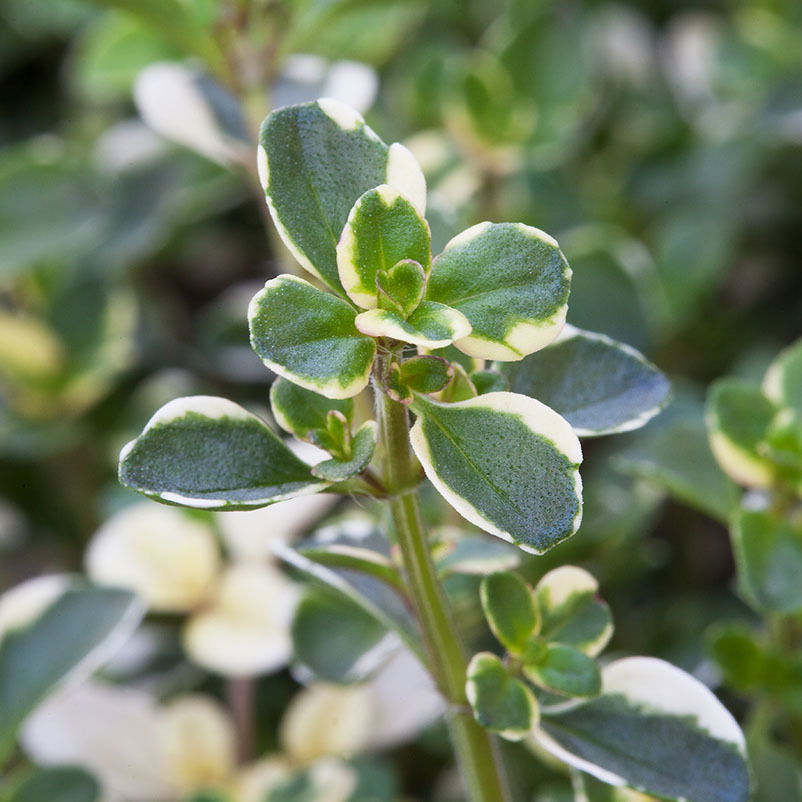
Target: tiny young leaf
column 363, row 445
column 564, row 670
column 402, row 287
column 425, row 374
column 210, row 453
column 308, row 336
column 501, row 703
column 382, row 229
column 571, row 612
column 598, row 385
column 738, row 417
column 299, row 411
column 315, row 160
column 490, row 381
column 460, row 388
column 334, row 436
column 510, row 281
column 509, row 609
column 506, row 463
column 431, row 325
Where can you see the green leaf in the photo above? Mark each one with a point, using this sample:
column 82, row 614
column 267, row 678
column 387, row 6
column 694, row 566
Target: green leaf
column 510, row 610
column 598, row 385
column 511, row 281
column 424, row 374
column 300, row 411
column 571, row 612
column 654, row 728
column 506, row 463
column 308, row 336
column 431, row 325
column 460, row 388
column 738, row 417
column 352, row 558
column 564, row 670
column 73, row 637
column 476, row 555
column 402, row 287
column 208, row 452
column 678, row 457
column 490, row 381
column 746, row 664
column 315, row 161
column 783, row 381
column 501, row 703
column 334, row 638
column 383, row 229
column 768, row 552
column 57, row 784
column 362, row 448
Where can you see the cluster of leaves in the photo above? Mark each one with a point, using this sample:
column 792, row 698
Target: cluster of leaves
column 622, row 724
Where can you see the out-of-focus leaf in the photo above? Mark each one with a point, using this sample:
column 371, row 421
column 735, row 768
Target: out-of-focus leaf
column 334, row 638
column 72, row 638
column 57, row 784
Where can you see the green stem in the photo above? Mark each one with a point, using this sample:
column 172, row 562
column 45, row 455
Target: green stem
column 476, row 751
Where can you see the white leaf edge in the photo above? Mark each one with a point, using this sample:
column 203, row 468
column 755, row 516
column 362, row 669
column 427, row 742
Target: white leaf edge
column 660, row 687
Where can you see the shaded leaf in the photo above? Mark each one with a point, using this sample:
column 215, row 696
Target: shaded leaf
column 598, row 385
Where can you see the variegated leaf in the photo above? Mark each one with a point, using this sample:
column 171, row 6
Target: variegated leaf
column 315, row 160
column 506, row 463
column 308, row 336
column 210, row 453
column 511, row 281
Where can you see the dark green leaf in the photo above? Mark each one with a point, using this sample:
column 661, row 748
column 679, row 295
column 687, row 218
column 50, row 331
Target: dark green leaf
column 510, row 281
column 598, row 385
column 73, row 637
column 768, row 551
column 333, row 637
column 57, row 784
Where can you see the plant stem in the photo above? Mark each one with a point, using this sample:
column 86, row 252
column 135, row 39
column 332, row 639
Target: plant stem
column 476, row 751
column 241, row 703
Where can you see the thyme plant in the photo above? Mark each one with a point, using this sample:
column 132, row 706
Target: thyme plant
column 460, row 343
